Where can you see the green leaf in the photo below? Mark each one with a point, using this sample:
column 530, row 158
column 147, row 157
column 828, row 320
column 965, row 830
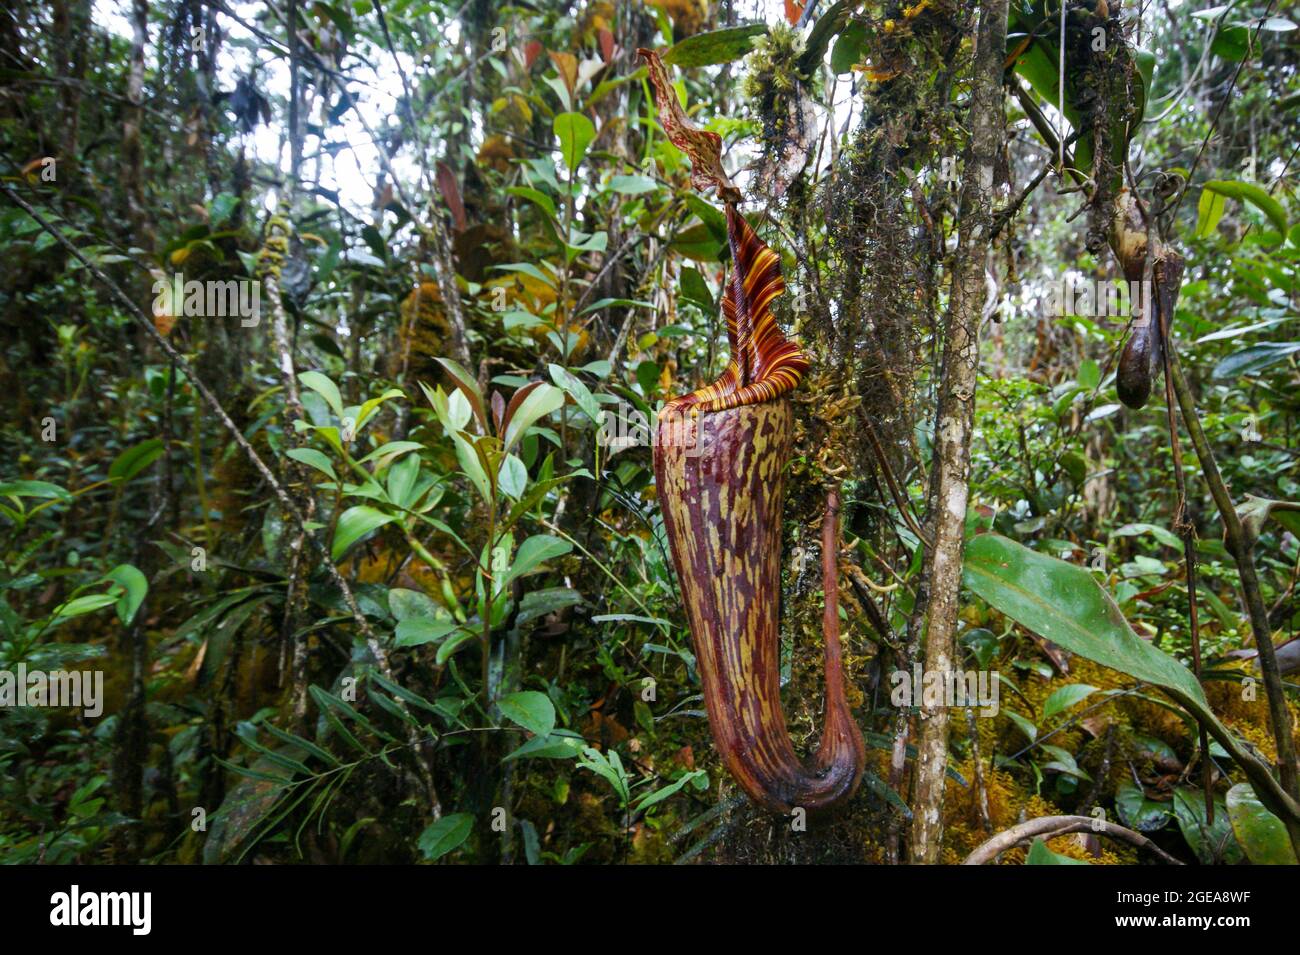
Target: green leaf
column 404, row 603
column 1022, row 723
column 1212, row 844
column 1137, row 811
column 1065, row 604
column 531, row 710
column 1232, row 43
column 1163, row 535
column 538, row 603
column 632, row 185
column 848, row 47
column 450, row 646
column 659, row 795
column 1260, row 833
column 714, row 47
column 1209, row 210
column 579, row 392
column 134, row 460
column 325, row 388
column 1255, row 195
column 513, row 477
column 469, row 388
column 1039, row 854
column 417, row 631
column 38, row 489
column 576, row 133
column 313, row 458
column 134, row 587
column 1089, row 374
column 78, row 606
column 532, row 552
column 446, row 835
column 355, row 522
column 561, row 744
column 1254, row 359
column 391, row 448
column 1066, row 697
column 539, row 402
column 535, row 196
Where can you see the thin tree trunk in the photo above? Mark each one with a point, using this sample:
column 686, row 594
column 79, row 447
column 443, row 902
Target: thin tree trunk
column 956, row 417
column 132, row 151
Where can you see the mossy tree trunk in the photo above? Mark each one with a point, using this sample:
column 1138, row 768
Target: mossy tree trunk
column 951, row 466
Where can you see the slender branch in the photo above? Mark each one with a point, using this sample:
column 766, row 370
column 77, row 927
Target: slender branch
column 1048, row 826
column 1242, row 548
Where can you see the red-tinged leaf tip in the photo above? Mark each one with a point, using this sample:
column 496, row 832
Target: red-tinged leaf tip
column 702, row 148
column 450, row 190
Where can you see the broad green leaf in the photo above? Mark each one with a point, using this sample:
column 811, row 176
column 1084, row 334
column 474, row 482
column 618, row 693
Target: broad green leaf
column 1209, row 210
column 469, row 388
column 404, row 603
column 1137, row 811
column 1089, row 374
column 531, row 710
column 847, row 51
column 38, row 489
column 1254, row 359
column 134, row 587
column 325, row 388
column 1212, row 844
column 1260, row 833
column 313, row 458
column 417, row 631
column 531, row 554
column 450, row 646
column 540, row 402
column 632, row 185
column 134, row 460
column 1066, row 605
column 78, row 606
column 1232, row 43
column 714, row 47
column 470, row 463
column 353, row 524
column 1163, row 535
column 513, row 477
column 535, row 196
column 538, row 603
column 1022, row 723
column 561, row 744
column 1066, row 697
column 446, row 835
column 659, row 795
column 579, row 392
column 576, row 133
column 1256, row 195
column 392, row 448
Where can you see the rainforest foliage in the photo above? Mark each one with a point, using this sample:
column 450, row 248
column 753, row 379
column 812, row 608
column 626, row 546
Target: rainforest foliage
column 332, row 339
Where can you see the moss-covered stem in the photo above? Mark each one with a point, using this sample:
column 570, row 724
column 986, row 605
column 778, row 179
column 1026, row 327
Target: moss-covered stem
column 954, row 425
